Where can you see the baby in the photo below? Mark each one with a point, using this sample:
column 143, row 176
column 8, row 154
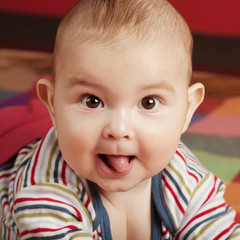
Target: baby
column 113, row 165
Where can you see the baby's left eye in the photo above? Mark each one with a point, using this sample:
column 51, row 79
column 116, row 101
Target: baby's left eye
column 149, row 102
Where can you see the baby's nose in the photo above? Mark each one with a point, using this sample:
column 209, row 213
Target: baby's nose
column 118, row 126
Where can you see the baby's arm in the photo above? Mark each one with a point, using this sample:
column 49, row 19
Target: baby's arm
column 52, row 211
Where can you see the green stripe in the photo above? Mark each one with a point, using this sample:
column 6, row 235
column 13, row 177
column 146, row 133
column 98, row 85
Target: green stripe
column 204, row 229
column 69, row 192
column 10, row 218
column 81, row 235
column 10, row 194
column 20, row 182
column 61, row 188
column 222, row 189
column 50, row 161
column 3, row 190
column 197, row 167
column 180, row 177
column 174, row 220
column 207, row 227
column 200, row 184
column 78, row 183
column 41, row 215
column 34, row 147
column 234, row 236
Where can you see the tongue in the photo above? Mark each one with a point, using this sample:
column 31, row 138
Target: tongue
column 119, row 163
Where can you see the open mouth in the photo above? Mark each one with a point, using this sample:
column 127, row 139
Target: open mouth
column 117, row 163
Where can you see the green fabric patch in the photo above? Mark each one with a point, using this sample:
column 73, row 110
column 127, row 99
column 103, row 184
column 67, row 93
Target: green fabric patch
column 224, row 167
column 222, row 146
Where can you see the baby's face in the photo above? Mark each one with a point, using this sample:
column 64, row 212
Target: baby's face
column 120, row 115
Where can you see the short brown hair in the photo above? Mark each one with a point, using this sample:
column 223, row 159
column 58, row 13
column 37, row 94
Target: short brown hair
column 101, row 21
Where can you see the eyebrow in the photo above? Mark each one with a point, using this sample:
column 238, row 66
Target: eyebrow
column 160, row 85
column 81, row 81
column 78, row 81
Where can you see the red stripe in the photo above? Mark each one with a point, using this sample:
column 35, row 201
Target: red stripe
column 194, row 160
column 18, row 180
column 23, row 153
column 164, row 233
column 4, row 205
column 9, row 234
column 12, row 179
column 40, row 230
column 191, row 174
column 87, row 202
column 175, row 197
column 63, row 174
column 98, row 233
column 212, row 191
column 200, row 215
column 225, row 231
column 5, row 175
column 35, row 162
column 19, row 200
column 12, row 209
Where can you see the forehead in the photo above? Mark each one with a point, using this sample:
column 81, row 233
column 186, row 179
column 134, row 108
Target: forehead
column 133, row 58
column 141, row 66
column 169, row 50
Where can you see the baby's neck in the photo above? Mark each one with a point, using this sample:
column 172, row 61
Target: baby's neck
column 129, row 212
column 121, row 200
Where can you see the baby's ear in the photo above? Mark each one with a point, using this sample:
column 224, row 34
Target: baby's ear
column 45, row 91
column 195, row 97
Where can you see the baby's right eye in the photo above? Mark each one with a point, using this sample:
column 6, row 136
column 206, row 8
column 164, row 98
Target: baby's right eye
column 91, row 101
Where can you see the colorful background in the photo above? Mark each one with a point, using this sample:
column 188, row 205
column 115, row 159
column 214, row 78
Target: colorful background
column 26, row 41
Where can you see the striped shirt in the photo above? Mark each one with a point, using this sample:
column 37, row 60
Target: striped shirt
column 43, row 198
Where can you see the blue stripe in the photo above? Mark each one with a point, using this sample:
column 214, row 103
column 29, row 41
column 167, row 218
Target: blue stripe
column 10, row 200
column 45, row 206
column 221, row 183
column 29, row 147
column 59, row 236
column 13, row 226
column 160, row 204
column 19, row 169
column 55, row 173
column 6, row 167
column 26, row 173
column 177, row 186
column 206, row 220
column 5, row 233
column 4, row 196
column 82, row 194
column 23, row 164
column 193, row 169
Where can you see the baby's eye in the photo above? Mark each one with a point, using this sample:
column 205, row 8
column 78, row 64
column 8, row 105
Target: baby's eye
column 91, row 101
column 150, row 102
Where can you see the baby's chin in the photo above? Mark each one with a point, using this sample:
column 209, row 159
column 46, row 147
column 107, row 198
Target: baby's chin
column 112, row 188
column 120, row 186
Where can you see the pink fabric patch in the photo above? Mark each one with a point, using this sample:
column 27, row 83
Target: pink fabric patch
column 216, row 125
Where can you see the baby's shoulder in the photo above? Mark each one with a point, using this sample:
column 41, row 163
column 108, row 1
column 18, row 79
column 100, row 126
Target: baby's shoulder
column 186, row 185
column 41, row 172
column 42, row 163
column 185, row 168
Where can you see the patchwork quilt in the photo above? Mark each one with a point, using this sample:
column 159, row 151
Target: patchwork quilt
column 214, row 137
